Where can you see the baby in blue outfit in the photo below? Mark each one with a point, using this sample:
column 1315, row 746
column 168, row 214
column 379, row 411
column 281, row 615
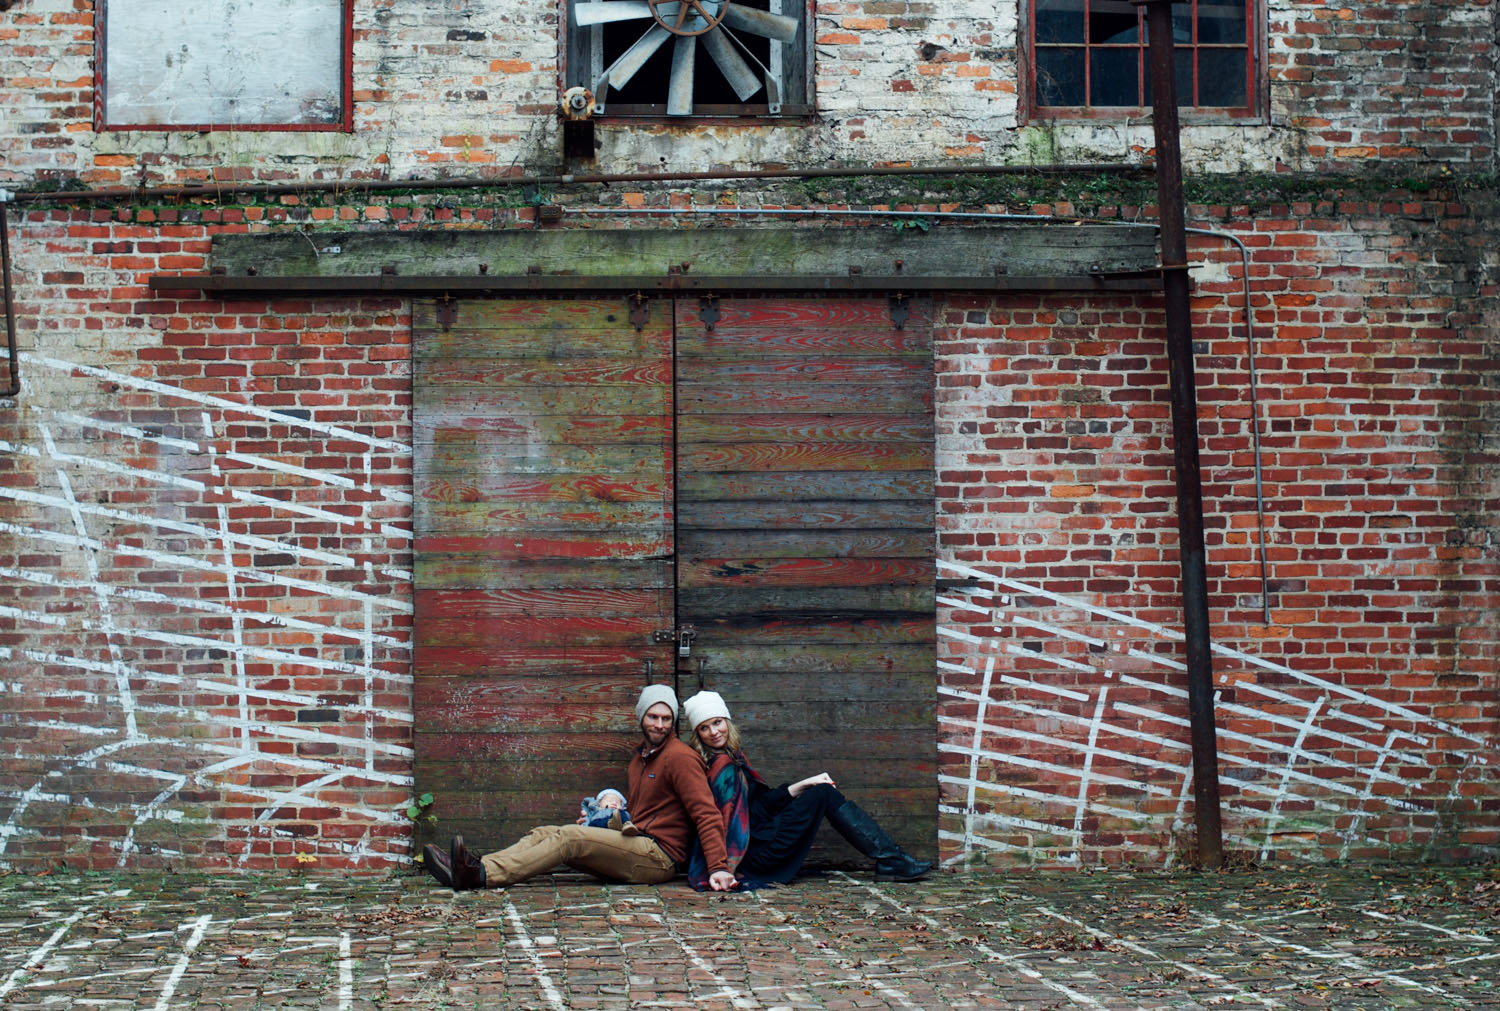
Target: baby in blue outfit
column 606, row 809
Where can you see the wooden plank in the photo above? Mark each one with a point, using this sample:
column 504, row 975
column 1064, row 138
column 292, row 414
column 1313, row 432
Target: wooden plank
column 830, row 456
column 912, row 373
column 460, row 628
column 462, row 407
column 696, row 546
column 532, row 374
column 742, row 573
column 528, row 430
column 490, row 486
column 453, row 451
column 804, row 428
column 458, row 570
column 836, row 602
column 610, row 545
column 790, row 486
column 947, row 249
column 564, row 602
column 806, row 515
column 495, row 516
column 806, row 398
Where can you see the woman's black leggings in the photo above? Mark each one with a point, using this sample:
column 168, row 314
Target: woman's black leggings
column 777, row 850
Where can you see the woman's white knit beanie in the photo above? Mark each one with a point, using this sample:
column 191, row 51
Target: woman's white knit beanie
column 704, row 706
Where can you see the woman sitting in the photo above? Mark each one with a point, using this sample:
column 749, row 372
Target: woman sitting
column 769, row 831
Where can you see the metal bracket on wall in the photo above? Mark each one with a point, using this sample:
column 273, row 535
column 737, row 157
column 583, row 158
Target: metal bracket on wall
column 900, row 311
column 447, row 312
column 708, row 311
column 640, row 315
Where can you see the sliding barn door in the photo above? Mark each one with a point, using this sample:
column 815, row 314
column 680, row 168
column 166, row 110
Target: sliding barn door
column 542, row 478
column 805, row 542
column 737, row 495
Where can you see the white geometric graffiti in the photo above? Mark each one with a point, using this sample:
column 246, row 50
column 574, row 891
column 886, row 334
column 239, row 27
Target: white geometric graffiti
column 1305, row 763
column 170, row 681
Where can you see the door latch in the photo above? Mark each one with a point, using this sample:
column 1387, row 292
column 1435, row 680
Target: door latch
column 685, row 637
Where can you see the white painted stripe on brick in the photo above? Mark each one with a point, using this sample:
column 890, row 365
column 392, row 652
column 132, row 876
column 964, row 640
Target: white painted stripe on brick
column 359, row 521
column 199, row 926
column 156, row 677
column 1339, row 958
column 194, row 397
column 984, row 701
column 197, row 530
column 1167, row 633
column 1360, row 814
column 35, row 617
column 1030, row 824
column 38, row 955
column 1024, row 793
column 346, row 973
column 1156, row 957
column 523, row 939
column 1090, row 749
column 189, row 562
column 1436, row 928
column 198, row 604
column 1012, row 962
column 979, row 842
column 1289, row 722
column 1049, row 767
column 147, row 813
column 1058, row 630
column 116, row 428
column 106, row 613
column 848, row 965
column 1065, row 743
column 1273, row 817
column 1326, row 784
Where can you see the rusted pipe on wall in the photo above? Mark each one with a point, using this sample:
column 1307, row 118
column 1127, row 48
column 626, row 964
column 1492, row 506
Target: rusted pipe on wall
column 14, row 389
column 217, row 190
column 1179, row 322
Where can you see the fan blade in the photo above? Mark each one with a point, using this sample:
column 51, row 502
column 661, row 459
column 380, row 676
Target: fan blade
column 622, row 70
column 757, row 22
column 680, row 91
column 736, row 71
column 618, row 10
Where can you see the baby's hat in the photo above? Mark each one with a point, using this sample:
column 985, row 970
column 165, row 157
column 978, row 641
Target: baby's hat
column 609, row 792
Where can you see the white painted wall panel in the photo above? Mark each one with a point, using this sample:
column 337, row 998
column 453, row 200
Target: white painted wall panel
column 223, row 61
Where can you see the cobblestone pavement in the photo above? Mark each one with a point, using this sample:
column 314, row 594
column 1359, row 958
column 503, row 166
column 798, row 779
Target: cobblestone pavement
column 1356, row 937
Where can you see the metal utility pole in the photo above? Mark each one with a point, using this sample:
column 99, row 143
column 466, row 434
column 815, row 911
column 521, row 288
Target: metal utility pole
column 1174, row 274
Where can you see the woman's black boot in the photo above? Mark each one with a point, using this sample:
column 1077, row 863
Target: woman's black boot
column 891, row 861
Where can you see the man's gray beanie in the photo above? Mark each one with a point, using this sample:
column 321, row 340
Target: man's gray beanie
column 650, row 696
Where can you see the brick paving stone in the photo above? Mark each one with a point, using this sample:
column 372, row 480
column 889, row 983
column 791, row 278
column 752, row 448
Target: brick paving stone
column 1327, row 938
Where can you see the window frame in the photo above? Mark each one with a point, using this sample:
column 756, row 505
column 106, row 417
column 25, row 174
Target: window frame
column 572, row 53
column 344, row 124
column 1255, row 110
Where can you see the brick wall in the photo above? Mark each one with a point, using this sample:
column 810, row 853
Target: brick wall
column 205, row 590
column 1359, row 721
column 457, row 89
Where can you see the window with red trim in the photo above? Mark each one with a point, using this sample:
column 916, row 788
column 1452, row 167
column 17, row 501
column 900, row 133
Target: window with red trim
column 1092, row 57
column 248, row 65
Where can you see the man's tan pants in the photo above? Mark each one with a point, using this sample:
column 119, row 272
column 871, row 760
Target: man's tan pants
column 636, row 860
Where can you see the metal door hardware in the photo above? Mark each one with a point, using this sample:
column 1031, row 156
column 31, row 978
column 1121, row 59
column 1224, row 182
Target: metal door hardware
column 685, row 637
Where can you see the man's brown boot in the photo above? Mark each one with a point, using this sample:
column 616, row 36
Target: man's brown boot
column 435, row 861
column 467, row 871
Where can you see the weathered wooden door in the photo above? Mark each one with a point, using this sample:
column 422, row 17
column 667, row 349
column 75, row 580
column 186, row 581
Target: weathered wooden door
column 589, row 486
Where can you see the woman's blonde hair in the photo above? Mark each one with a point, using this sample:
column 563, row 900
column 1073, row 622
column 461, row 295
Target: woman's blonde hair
column 731, row 743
